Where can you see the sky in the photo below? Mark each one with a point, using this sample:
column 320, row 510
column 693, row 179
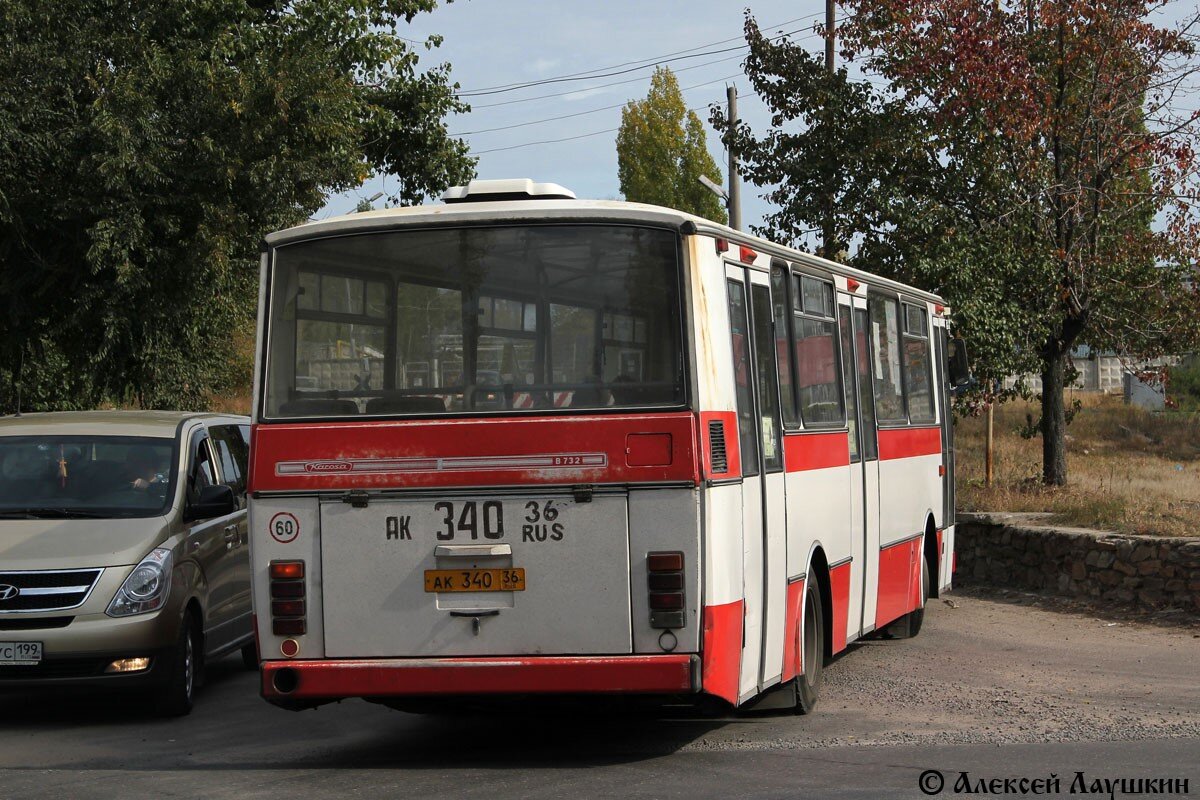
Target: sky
column 493, row 43
column 565, row 131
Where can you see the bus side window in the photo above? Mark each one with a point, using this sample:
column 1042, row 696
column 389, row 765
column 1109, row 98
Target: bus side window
column 739, row 329
column 886, row 369
column 918, row 378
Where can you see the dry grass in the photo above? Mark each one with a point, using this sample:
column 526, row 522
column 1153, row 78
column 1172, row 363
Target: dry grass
column 237, row 402
column 235, row 398
column 1128, row 469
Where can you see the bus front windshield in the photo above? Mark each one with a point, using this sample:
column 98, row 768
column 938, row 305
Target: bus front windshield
column 472, row 320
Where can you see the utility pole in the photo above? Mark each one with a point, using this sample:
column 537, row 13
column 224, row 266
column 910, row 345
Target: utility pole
column 735, row 190
column 827, row 232
column 829, row 22
column 989, row 444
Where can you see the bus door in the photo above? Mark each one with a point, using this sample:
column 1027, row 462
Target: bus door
column 858, row 499
column 764, row 556
column 869, row 453
column 941, row 350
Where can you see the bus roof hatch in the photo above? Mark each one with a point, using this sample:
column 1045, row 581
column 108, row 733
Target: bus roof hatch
column 507, row 189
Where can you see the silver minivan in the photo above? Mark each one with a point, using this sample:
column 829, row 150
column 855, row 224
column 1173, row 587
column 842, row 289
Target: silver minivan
column 123, row 551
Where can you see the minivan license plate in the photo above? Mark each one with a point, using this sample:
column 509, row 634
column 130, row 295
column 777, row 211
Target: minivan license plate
column 510, row 579
column 20, row 653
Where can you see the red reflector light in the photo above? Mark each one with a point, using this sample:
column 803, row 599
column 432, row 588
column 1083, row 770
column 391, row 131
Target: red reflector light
column 287, row 627
column 852, row 285
column 747, row 255
column 283, row 591
column 668, row 602
column 722, row 245
column 287, row 608
column 289, row 647
column 287, row 569
column 665, row 581
column 664, row 562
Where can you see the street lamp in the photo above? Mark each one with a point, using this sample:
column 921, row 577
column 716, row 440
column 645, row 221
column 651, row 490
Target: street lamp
column 730, row 203
column 713, row 187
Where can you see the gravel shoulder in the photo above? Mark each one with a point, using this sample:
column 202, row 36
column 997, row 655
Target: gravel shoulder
column 1001, row 667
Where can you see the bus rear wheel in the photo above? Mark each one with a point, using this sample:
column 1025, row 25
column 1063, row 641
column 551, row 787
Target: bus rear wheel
column 807, row 685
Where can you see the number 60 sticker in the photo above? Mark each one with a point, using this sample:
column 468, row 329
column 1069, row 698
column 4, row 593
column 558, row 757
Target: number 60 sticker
column 284, row 527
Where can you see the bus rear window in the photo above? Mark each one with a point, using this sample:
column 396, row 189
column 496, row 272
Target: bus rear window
column 471, row 320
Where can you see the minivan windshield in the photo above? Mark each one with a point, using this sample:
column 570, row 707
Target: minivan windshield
column 81, row 477
column 542, row 318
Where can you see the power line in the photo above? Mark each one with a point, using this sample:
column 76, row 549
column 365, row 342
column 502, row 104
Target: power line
column 583, row 113
column 580, row 75
column 648, row 63
column 563, row 139
column 607, row 85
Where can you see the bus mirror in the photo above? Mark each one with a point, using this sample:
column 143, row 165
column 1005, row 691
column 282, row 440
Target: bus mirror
column 957, row 367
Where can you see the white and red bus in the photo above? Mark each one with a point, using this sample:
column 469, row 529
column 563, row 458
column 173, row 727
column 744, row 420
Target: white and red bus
column 526, row 444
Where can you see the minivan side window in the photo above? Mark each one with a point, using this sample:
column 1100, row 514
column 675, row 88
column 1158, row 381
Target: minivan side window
column 232, row 454
column 200, row 467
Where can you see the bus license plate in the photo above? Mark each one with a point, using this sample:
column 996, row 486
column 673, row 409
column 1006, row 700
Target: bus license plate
column 20, row 653
column 475, row 580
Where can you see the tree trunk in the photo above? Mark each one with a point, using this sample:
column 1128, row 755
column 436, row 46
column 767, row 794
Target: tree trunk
column 1054, row 419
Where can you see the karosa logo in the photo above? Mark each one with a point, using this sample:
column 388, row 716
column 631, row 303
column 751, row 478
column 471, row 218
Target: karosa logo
column 328, row 466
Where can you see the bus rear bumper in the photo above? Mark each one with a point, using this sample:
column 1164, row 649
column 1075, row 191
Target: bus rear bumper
column 290, row 681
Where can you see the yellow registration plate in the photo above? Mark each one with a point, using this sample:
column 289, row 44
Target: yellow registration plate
column 475, row 580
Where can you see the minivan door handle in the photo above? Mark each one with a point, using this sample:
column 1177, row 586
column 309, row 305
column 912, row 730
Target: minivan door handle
column 231, row 537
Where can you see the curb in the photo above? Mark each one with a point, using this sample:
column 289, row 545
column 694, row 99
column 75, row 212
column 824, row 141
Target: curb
column 1145, row 573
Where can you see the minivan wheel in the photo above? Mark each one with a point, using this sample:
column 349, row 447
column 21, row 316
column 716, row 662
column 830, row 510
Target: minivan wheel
column 178, row 693
column 250, row 656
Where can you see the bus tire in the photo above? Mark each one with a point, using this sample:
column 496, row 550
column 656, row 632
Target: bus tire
column 909, row 625
column 807, row 685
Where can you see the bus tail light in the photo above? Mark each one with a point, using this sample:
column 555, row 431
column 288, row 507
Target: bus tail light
column 287, row 570
column 665, row 583
column 287, row 598
column 287, row 608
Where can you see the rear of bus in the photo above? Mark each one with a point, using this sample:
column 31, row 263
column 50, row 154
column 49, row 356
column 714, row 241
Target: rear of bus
column 474, row 464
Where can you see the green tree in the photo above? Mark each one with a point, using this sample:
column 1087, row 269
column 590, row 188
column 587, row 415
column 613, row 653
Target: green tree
column 146, row 148
column 1013, row 159
column 662, row 151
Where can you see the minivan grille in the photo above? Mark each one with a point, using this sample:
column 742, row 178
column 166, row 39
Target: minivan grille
column 49, row 590
column 34, row 623
column 716, row 445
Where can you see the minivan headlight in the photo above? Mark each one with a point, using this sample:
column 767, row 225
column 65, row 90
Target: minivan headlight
column 146, row 588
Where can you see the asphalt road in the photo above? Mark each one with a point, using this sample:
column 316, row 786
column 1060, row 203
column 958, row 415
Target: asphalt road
column 992, row 688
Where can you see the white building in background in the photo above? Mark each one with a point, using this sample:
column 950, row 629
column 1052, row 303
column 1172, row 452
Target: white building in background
column 1101, row 372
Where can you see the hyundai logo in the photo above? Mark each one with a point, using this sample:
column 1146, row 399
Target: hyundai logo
column 8, row 591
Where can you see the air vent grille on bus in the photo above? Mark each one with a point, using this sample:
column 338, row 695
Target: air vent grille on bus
column 716, row 446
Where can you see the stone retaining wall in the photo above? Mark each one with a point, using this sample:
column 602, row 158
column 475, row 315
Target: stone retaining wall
column 1014, row 551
